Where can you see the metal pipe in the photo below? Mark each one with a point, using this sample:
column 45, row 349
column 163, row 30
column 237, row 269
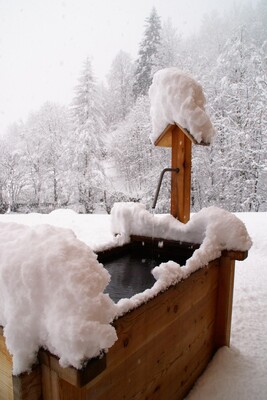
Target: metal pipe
column 160, row 181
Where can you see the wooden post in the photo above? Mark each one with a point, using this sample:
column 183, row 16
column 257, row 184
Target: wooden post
column 225, row 301
column 181, row 182
column 28, row 386
column 6, row 385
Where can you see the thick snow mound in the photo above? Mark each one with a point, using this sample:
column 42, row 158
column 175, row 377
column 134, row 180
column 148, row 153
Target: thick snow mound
column 213, row 228
column 177, row 98
column 51, row 296
column 223, row 229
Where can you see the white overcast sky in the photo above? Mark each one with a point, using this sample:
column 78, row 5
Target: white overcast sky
column 43, row 43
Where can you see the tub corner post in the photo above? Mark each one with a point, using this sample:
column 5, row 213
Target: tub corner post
column 28, row 386
column 224, row 301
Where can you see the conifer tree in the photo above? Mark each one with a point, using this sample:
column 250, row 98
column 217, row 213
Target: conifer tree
column 88, row 132
column 147, row 55
column 168, row 54
column 119, row 92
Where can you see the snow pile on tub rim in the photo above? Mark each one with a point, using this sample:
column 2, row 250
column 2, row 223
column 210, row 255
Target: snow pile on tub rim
column 51, row 296
column 177, row 98
column 213, row 228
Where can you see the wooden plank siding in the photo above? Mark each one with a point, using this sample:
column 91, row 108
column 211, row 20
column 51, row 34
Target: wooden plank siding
column 163, row 346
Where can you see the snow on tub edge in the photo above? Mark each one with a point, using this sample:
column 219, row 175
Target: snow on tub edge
column 51, row 296
column 213, row 228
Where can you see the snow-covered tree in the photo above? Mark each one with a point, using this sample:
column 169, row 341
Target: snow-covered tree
column 147, row 55
column 138, row 162
column 260, row 23
column 238, row 158
column 119, row 97
column 168, row 50
column 88, row 139
column 46, row 138
column 13, row 177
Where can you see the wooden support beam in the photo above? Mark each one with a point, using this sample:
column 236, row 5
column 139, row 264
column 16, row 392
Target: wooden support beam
column 180, row 140
column 181, row 182
column 224, row 301
column 187, row 178
column 6, row 384
column 22, row 387
column 177, row 162
column 28, row 386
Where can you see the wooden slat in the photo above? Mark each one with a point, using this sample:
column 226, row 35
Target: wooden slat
column 181, row 182
column 6, row 385
column 21, row 387
column 177, row 178
column 225, row 301
column 165, row 139
column 76, row 377
column 50, row 380
column 28, row 386
column 235, row 254
column 187, row 179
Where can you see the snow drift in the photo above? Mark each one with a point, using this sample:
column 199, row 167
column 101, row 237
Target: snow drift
column 51, row 296
column 177, row 98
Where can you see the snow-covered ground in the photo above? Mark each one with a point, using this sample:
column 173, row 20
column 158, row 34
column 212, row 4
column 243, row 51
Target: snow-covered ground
column 238, row 372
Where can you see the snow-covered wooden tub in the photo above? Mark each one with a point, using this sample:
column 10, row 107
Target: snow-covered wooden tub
column 163, row 345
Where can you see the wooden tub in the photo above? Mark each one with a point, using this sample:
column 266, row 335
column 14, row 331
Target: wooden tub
column 163, row 346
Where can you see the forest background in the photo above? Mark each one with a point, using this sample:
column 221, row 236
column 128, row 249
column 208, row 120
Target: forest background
column 96, row 151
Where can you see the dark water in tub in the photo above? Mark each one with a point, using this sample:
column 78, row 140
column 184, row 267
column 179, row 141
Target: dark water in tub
column 130, row 274
column 130, row 269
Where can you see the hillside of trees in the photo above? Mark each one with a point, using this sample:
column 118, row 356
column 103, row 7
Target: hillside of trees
column 96, row 151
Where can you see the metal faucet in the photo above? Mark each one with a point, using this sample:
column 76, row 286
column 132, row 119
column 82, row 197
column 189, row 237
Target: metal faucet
column 159, row 184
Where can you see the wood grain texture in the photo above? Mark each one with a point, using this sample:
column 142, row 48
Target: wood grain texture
column 165, row 138
column 6, row 385
column 28, row 386
column 181, row 182
column 225, row 301
column 22, row 387
column 162, row 347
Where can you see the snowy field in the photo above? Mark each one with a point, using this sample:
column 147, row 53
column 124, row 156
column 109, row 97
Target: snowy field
column 238, row 372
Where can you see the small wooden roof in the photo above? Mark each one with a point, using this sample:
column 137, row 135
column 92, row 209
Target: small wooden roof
column 165, row 139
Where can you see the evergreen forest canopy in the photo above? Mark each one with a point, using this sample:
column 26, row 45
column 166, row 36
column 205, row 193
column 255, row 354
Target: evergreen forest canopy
column 97, row 151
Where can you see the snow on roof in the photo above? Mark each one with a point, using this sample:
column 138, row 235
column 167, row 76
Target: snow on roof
column 51, row 296
column 213, row 228
column 177, row 98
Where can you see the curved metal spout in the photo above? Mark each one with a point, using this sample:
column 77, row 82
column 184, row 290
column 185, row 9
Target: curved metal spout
column 160, row 181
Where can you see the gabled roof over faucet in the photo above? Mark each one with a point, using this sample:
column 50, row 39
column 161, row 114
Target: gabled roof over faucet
column 165, row 139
